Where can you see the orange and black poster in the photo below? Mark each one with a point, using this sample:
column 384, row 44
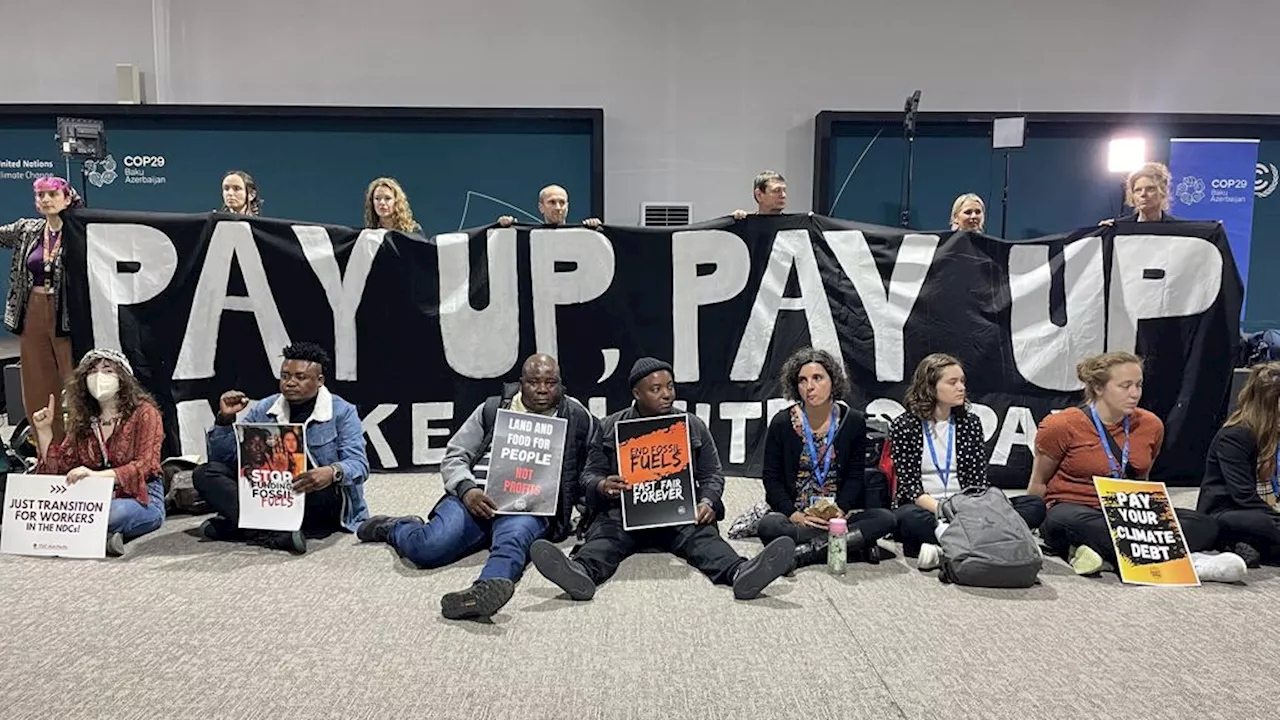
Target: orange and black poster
column 655, row 461
column 1150, row 547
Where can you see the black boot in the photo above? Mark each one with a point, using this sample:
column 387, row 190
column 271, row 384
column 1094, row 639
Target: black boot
column 481, row 600
column 857, row 548
column 810, row 553
column 378, row 527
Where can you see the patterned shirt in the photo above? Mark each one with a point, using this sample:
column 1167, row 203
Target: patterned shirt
column 806, row 484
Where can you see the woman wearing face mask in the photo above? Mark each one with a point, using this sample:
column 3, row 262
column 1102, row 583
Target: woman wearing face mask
column 387, row 207
column 37, row 307
column 938, row 449
column 1241, row 486
column 1109, row 436
column 968, row 212
column 240, row 194
column 815, row 455
column 114, row 430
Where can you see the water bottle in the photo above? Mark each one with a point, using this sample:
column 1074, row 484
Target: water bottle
column 837, row 530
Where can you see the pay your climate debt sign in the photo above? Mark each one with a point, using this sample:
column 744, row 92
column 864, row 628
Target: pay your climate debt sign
column 422, row 330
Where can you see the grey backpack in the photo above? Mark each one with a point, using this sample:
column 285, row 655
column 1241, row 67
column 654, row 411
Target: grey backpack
column 987, row 544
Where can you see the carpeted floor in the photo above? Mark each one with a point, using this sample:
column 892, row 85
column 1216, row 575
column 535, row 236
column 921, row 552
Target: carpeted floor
column 185, row 628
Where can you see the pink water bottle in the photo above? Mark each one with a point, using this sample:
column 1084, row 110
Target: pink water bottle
column 837, row 555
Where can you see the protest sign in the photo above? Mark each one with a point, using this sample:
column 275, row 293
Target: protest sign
column 1150, row 547
column 524, row 467
column 270, row 456
column 43, row 515
column 656, row 462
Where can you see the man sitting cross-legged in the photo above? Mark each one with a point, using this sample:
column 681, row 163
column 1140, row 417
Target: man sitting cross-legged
column 465, row 519
column 607, row 544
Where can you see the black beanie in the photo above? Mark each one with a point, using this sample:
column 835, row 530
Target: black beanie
column 646, row 366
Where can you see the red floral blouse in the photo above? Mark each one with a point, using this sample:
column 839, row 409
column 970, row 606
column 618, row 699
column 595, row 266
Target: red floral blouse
column 134, row 451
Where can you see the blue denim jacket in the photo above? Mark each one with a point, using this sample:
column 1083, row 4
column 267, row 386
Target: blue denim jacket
column 334, row 436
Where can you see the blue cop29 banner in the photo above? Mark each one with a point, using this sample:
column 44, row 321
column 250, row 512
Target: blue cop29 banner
column 1214, row 180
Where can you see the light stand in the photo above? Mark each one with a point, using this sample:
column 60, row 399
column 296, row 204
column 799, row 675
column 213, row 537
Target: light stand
column 1007, row 133
column 81, row 139
column 911, row 109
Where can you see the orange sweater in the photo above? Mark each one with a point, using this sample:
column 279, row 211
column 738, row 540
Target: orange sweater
column 1071, row 438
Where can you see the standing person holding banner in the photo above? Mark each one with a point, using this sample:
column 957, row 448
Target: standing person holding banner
column 1146, row 190
column 36, row 309
column 240, row 194
column 386, row 206
column 698, row 540
column 467, row 519
column 938, row 450
column 113, row 430
column 1109, row 436
column 335, row 449
column 815, row 465
column 1241, row 486
column 968, row 212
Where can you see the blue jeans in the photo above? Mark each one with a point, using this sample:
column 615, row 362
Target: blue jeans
column 133, row 519
column 453, row 533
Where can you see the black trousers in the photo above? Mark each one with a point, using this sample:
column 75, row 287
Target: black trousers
column 1068, row 524
column 1259, row 528
column 607, row 544
column 218, row 485
column 917, row 526
column 873, row 524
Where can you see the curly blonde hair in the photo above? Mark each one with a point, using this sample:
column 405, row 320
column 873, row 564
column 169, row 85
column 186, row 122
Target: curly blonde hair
column 401, row 213
column 1156, row 173
column 82, row 408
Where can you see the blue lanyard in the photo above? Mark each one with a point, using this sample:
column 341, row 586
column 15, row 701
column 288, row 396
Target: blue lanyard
column 819, row 476
column 1117, row 471
column 944, row 474
column 1275, row 479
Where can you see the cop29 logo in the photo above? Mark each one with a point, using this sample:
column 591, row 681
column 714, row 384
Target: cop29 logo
column 1190, row 190
column 100, row 172
column 1266, row 180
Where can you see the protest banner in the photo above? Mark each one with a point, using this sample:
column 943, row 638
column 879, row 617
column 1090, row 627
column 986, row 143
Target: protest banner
column 270, row 456
column 524, row 467
column 1150, row 547
column 45, row 516
column 655, row 460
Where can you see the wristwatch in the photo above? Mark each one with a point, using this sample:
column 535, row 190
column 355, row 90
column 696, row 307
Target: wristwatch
column 338, row 473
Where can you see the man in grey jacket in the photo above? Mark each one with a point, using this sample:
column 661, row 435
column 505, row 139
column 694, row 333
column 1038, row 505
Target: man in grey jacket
column 607, row 544
column 465, row 520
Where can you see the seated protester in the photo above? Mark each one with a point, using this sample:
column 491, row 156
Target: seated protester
column 1110, row 436
column 607, row 544
column 114, row 430
column 821, row 427
column 465, row 520
column 1241, row 481
column 935, row 442
column 335, row 450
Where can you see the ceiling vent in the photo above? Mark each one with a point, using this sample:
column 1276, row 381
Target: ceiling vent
column 655, row 214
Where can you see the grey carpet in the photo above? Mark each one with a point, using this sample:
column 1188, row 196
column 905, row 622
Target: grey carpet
column 184, row 628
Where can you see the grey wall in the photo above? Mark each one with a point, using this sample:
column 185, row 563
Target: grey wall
column 698, row 94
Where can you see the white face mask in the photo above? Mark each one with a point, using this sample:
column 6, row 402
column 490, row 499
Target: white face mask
column 102, row 385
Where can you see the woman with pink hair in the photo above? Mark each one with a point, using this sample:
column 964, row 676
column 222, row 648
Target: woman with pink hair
column 36, row 309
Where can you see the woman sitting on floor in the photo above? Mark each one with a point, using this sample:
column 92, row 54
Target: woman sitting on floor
column 113, row 430
column 1110, row 436
column 815, row 465
column 1241, row 481
column 938, row 440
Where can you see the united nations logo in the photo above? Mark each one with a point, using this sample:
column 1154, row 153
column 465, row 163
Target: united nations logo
column 101, row 172
column 1266, row 181
column 1191, row 190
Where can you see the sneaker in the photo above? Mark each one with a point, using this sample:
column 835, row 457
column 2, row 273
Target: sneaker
column 115, row 544
column 930, row 557
column 567, row 574
column 481, row 600
column 755, row 574
column 1251, row 556
column 1220, row 567
column 378, row 527
column 1085, row 560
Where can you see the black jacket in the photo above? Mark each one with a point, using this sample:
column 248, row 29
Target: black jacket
column 856, row 489
column 1133, row 217
column 708, row 477
column 906, row 448
column 1231, row 473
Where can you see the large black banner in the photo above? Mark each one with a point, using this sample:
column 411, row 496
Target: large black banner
column 422, row 330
